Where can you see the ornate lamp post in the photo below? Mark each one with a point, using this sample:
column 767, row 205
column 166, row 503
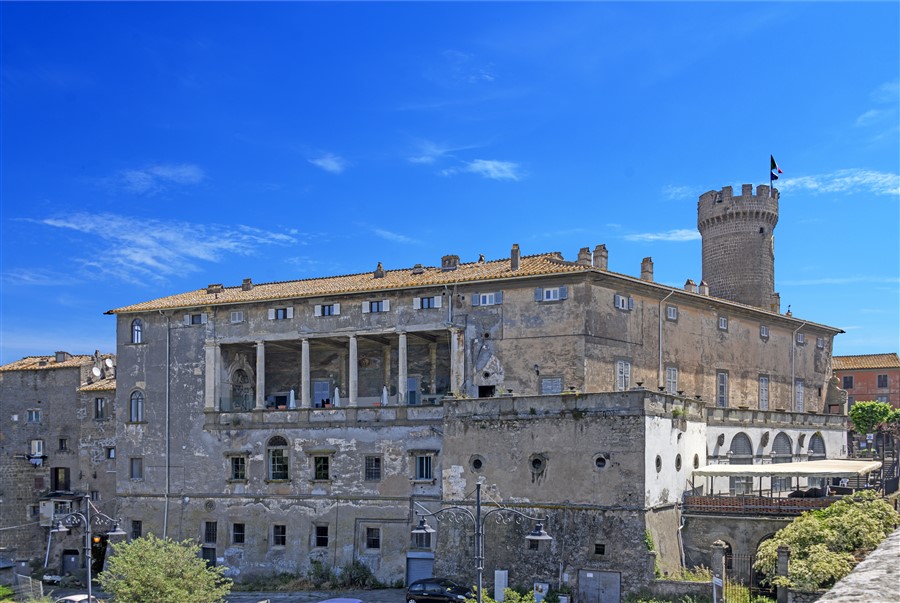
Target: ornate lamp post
column 76, row 518
column 478, row 518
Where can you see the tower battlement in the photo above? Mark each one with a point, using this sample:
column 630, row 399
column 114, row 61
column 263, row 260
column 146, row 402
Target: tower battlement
column 738, row 244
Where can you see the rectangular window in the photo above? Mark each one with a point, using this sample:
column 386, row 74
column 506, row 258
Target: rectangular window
column 763, row 393
column 238, row 468
column 848, row 382
column 722, row 389
column 534, row 545
column 373, row 468
column 801, row 338
column 763, row 332
column 427, row 303
column 487, row 299
column 599, row 548
column 373, row 538
column 623, row 375
column 59, row 478
column 100, row 409
column 237, row 316
column 671, row 313
column 623, row 302
column 238, row 531
column 281, row 313
column 63, row 444
column 798, row 395
column 423, row 467
column 321, row 468
column 546, row 294
column 279, row 535
column 95, row 495
column 882, row 381
column 32, row 416
column 882, row 398
column 820, row 343
column 110, row 452
column 723, row 323
column 671, row 379
column 137, row 528
column 551, row 386
column 321, row 536
column 136, row 468
column 278, row 464
column 210, row 532
column 195, row 319
column 327, row 310
column 373, row 307
column 37, row 447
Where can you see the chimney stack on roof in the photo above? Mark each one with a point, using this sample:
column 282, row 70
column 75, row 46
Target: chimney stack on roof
column 514, row 257
column 601, row 257
column 647, row 269
column 690, row 286
column 449, row 262
column 246, row 285
column 379, row 271
column 704, row 288
column 584, row 256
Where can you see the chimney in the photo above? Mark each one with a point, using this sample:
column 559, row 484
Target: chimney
column 379, row 271
column 214, row 288
column 514, row 257
column 704, row 288
column 647, row 269
column 246, row 285
column 62, row 356
column 690, row 286
column 418, row 269
column 584, row 256
column 601, row 257
column 449, row 262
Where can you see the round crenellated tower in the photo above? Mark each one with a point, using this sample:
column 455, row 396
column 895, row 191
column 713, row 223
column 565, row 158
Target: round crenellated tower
column 739, row 244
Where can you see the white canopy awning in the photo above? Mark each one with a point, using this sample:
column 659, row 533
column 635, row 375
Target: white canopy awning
column 825, row 468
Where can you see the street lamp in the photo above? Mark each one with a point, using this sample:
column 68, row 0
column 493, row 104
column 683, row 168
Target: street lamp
column 77, row 518
column 537, row 534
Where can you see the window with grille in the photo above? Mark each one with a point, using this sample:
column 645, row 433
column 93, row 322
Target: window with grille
column 321, row 536
column 373, row 468
column 882, row 381
column 279, row 535
column 423, row 467
column 210, row 532
column 373, row 538
column 321, row 468
column 238, row 533
column 763, row 393
column 137, row 528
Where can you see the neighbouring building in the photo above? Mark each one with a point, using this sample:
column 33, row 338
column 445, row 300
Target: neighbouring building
column 57, row 447
column 287, row 422
column 869, row 377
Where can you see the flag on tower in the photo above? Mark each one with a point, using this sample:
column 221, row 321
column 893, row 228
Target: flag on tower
column 773, row 168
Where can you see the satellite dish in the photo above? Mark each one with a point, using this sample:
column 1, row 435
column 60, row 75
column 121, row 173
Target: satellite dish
column 108, row 362
column 95, row 371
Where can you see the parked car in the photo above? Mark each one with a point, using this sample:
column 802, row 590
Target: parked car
column 78, row 599
column 437, row 590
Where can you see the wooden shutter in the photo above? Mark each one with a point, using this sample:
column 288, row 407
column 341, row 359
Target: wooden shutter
column 203, row 318
column 631, row 303
column 437, row 301
column 476, row 299
column 337, row 309
column 498, row 297
column 563, row 293
column 290, row 312
column 365, row 307
column 187, row 319
column 317, row 310
column 538, row 294
column 386, row 305
column 417, row 303
column 271, row 313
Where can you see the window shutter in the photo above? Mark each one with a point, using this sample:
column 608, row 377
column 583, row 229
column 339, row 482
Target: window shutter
column 386, row 306
column 476, row 299
column 317, row 311
column 498, row 297
column 437, row 301
column 290, row 312
column 631, row 303
column 417, row 303
column 203, row 318
column 187, row 319
column 337, row 309
column 538, row 294
column 563, row 293
column 617, row 300
column 271, row 313
column 365, row 307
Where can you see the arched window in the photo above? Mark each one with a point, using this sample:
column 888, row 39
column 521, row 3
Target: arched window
column 137, row 326
column 740, row 453
column 136, row 408
column 782, row 452
column 277, row 458
column 816, row 448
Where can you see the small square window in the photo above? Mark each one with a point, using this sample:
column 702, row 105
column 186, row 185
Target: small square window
column 321, row 536
column 801, row 338
column 599, row 548
column 32, row 416
column 623, row 302
column 238, row 531
column 763, row 331
column 820, row 343
column 373, row 538
column 63, row 444
column 110, row 453
column 321, row 468
column 723, row 323
column 95, row 495
column 238, row 468
column 279, row 535
column 237, row 316
column 882, row 381
column 136, row 468
column 671, row 313
column 100, row 409
column 197, row 319
column 373, row 468
column 848, row 382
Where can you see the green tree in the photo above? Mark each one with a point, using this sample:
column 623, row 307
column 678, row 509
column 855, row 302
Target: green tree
column 866, row 416
column 150, row 570
column 824, row 544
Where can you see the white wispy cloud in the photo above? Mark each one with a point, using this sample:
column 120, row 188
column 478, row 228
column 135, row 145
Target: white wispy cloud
column 887, row 92
column 846, row 181
column 155, row 178
column 841, row 280
column 428, row 152
column 38, row 278
column 488, row 168
column 392, row 236
column 138, row 250
column 869, row 117
column 675, row 192
column 330, row 163
column 673, row 236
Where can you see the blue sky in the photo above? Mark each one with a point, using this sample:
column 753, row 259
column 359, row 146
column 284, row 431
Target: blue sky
column 150, row 149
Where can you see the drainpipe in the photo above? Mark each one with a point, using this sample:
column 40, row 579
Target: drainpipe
column 168, row 462
column 659, row 373
column 794, row 349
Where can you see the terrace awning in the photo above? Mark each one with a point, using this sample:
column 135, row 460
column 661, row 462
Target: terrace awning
column 825, row 468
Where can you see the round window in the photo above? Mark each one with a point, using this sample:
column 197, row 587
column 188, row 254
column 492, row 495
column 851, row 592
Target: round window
column 600, row 462
column 538, row 463
column 696, row 461
column 476, row 463
column 678, row 462
column 658, row 463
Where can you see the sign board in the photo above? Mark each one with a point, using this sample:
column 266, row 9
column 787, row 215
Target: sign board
column 501, row 581
column 540, row 591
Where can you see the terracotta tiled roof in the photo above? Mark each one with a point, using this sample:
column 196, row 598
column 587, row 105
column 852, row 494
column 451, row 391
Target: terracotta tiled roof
column 99, row 386
column 34, row 363
column 865, row 361
column 534, row 265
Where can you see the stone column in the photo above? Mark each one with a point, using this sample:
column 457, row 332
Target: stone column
column 432, row 355
column 304, row 373
column 717, row 563
column 260, row 375
column 213, row 356
column 386, row 363
column 457, row 360
column 401, row 370
column 781, row 569
column 354, row 371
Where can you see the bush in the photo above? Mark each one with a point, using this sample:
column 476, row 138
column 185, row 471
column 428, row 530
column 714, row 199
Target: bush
column 357, row 575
